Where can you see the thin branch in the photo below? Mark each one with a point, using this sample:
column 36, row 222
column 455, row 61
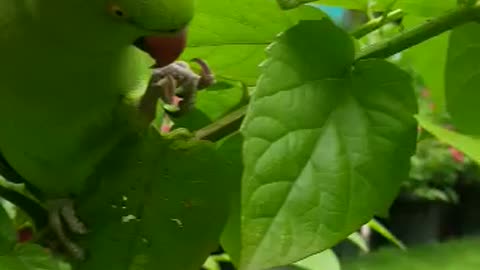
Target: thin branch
column 222, row 127
column 421, row 33
column 375, row 24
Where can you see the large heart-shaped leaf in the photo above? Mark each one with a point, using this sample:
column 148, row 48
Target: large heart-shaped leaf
column 159, row 204
column 327, row 144
column 462, row 77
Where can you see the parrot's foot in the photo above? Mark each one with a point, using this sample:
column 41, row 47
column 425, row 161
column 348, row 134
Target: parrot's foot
column 61, row 213
column 177, row 85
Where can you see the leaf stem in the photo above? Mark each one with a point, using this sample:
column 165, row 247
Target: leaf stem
column 222, row 127
column 375, row 24
column 422, row 32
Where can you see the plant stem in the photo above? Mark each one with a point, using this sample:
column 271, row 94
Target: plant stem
column 374, row 24
column 421, row 33
column 222, row 127
column 432, row 28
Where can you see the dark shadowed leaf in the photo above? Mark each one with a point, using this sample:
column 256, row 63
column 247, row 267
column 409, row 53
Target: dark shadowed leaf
column 30, row 257
column 161, row 203
column 231, row 149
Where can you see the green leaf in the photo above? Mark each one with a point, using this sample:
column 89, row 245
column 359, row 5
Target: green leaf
column 211, row 264
column 357, row 239
column 462, row 77
column 232, row 38
column 469, row 145
column 30, row 257
column 453, row 255
column 326, row 260
column 159, row 201
column 383, row 231
column 327, row 145
column 8, row 235
column 429, row 59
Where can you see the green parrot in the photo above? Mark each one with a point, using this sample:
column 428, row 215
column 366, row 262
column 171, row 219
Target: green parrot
column 77, row 77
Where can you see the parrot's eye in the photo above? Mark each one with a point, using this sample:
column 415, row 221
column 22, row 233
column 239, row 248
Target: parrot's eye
column 117, row 11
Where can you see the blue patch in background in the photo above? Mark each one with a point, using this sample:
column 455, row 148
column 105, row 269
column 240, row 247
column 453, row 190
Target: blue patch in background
column 336, row 13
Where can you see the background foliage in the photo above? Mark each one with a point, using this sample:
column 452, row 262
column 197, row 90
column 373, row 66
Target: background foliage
column 322, row 139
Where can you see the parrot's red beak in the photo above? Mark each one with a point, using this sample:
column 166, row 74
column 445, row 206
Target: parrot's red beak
column 164, row 49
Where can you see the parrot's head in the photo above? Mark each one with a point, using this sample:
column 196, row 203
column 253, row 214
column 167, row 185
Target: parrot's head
column 161, row 25
column 158, row 27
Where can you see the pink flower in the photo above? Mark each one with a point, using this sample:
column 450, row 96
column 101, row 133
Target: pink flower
column 165, row 128
column 425, row 93
column 456, row 155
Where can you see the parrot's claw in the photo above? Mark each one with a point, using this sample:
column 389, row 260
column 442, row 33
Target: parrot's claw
column 63, row 210
column 176, row 85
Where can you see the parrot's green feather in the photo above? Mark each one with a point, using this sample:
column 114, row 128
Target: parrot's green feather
column 69, row 74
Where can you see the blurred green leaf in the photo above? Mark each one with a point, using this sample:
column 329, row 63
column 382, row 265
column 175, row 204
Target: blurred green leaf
column 383, row 231
column 469, row 145
column 454, row 255
column 429, row 59
column 232, row 35
column 462, row 78
column 357, row 239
